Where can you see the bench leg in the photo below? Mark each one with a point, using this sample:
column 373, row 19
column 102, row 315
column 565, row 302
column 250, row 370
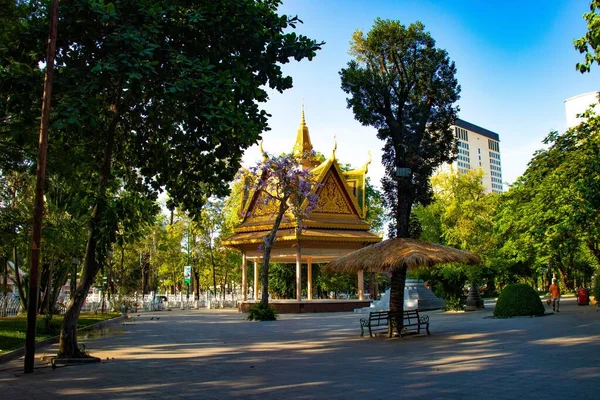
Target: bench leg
column 362, row 331
column 427, row 327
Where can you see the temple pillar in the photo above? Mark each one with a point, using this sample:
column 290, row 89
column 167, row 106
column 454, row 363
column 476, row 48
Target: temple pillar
column 255, row 280
column 361, row 284
column 298, row 274
column 309, row 280
column 244, row 279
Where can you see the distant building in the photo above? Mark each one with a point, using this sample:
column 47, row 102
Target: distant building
column 479, row 148
column 577, row 105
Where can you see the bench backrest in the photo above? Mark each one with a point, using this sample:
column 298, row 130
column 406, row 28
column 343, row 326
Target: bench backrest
column 379, row 315
column 411, row 316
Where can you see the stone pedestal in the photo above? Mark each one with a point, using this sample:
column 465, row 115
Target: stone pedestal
column 416, row 296
column 474, row 301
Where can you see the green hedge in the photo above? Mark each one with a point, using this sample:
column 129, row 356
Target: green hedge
column 518, row 299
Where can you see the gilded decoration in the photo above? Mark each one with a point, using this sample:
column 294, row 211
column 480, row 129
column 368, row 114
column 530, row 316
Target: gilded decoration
column 331, row 198
column 264, row 206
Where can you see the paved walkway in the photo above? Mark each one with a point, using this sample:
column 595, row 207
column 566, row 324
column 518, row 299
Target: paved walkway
column 211, row 354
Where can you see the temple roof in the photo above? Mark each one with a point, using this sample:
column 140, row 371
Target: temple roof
column 338, row 217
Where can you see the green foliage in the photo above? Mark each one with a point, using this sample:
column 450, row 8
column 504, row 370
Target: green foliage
column 518, row 299
column 551, row 215
column 453, row 303
column 465, row 209
column 446, row 281
column 590, row 43
column 338, row 282
column 261, row 312
column 282, row 281
column 596, row 288
column 376, row 212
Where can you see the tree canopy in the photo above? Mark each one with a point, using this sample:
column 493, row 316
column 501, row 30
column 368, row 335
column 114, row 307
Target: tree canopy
column 405, row 87
column 148, row 96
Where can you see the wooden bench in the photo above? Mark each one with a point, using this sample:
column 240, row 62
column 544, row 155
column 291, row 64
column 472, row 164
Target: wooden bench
column 384, row 321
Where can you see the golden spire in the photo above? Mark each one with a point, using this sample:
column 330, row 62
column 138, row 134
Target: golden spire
column 334, row 147
column 366, row 166
column 303, row 144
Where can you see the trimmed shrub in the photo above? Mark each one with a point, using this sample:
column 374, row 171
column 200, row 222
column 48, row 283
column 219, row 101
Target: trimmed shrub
column 261, row 312
column 518, row 299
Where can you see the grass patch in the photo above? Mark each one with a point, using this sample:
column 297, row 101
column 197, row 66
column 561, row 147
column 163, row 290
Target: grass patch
column 12, row 329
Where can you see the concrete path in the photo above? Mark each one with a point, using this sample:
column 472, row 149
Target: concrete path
column 212, row 354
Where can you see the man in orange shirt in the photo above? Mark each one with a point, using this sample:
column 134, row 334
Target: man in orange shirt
column 555, row 295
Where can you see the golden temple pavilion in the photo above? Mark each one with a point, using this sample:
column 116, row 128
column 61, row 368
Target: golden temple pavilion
column 335, row 227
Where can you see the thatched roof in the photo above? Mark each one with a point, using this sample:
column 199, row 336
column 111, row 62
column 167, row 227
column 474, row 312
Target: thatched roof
column 395, row 253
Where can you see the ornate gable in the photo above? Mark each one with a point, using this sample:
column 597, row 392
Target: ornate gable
column 335, row 196
column 331, row 197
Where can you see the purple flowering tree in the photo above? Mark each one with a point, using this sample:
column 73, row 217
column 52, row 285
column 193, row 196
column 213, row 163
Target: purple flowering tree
column 284, row 184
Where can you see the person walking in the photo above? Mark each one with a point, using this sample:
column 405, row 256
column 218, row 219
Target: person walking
column 555, row 295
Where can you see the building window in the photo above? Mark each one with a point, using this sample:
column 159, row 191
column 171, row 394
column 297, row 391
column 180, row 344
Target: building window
column 493, row 145
column 461, row 133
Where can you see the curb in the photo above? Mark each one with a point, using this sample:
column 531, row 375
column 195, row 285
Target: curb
column 14, row 354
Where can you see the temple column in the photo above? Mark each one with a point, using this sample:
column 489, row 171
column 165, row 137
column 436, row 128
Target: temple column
column 256, row 280
column 309, row 280
column 298, row 274
column 244, row 279
column 361, row 284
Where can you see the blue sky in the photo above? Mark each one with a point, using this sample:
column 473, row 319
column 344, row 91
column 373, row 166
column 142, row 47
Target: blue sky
column 515, row 63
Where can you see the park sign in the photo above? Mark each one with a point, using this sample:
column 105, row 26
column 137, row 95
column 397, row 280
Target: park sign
column 187, row 274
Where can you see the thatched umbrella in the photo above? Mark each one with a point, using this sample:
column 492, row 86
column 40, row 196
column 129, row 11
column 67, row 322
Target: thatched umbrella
column 392, row 254
column 397, row 256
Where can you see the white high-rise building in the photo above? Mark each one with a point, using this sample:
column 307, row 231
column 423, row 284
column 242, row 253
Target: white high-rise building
column 479, row 148
column 577, row 105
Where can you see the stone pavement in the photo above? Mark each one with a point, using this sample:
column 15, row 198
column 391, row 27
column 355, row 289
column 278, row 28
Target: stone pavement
column 216, row 354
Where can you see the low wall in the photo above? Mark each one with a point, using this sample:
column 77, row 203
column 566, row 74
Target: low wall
column 308, row 306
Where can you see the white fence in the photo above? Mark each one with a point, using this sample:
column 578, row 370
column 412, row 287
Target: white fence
column 9, row 306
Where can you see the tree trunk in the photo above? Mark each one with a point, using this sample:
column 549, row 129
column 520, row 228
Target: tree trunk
column 565, row 277
column 22, row 295
column 268, row 244
column 224, row 283
column 595, row 249
column 397, row 296
column 398, row 279
column 4, row 261
column 38, row 211
column 68, row 346
column 404, row 208
column 214, row 272
column 49, row 295
column 197, row 285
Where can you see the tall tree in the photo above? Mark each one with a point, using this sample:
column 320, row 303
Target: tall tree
column 157, row 94
column 405, row 87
